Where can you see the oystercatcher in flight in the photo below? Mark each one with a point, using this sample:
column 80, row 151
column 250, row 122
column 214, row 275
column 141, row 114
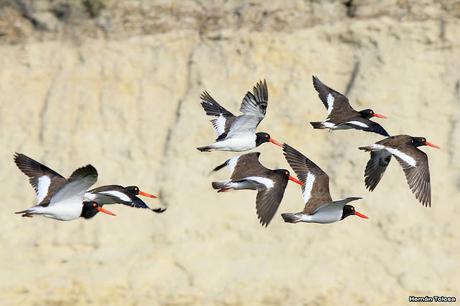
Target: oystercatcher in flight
column 248, row 173
column 413, row 161
column 113, row 194
column 57, row 198
column 238, row 133
column 319, row 207
column 340, row 114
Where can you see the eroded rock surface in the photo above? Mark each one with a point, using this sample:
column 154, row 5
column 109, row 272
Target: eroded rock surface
column 120, row 90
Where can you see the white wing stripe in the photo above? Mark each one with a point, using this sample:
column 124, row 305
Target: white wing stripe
column 44, row 183
column 220, row 125
column 308, row 187
column 330, row 103
column 358, row 123
column 407, row 158
column 117, row 194
column 232, row 163
column 268, row 183
column 329, row 124
column 377, row 147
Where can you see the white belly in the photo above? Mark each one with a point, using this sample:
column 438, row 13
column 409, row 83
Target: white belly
column 64, row 212
column 235, row 144
column 328, row 214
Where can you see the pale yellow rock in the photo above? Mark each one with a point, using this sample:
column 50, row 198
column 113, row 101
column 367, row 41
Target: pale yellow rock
column 130, row 107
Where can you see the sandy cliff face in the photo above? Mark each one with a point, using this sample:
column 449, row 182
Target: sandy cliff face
column 129, row 105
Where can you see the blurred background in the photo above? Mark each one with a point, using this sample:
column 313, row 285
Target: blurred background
column 117, row 84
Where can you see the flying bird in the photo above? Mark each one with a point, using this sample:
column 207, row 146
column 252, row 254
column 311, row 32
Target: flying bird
column 340, row 114
column 113, row 194
column 238, row 133
column 57, row 198
column 319, row 206
column 248, row 173
column 413, row 161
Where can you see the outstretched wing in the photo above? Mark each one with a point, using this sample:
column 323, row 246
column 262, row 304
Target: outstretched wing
column 76, row 186
column 244, row 125
column 44, row 180
column 212, row 107
column 255, row 103
column 268, row 200
column 108, row 194
column 334, row 101
column 417, row 174
column 224, row 118
column 315, row 190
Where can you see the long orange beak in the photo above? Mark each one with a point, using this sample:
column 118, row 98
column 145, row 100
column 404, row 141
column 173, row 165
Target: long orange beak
column 432, row 145
column 361, row 215
column 295, row 180
column 145, row 194
column 276, row 142
column 105, row 211
column 379, row 116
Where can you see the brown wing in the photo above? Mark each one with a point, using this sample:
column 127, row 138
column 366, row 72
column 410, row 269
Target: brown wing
column 418, row 177
column 315, row 190
column 44, row 180
column 268, row 200
column 395, row 141
column 338, row 105
column 248, row 165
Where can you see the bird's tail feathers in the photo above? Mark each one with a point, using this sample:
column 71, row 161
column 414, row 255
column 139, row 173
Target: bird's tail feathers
column 204, row 149
column 317, row 125
column 222, row 186
column 366, row 148
column 292, row 217
column 25, row 213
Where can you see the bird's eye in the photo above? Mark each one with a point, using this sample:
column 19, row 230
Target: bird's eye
column 94, row 204
column 285, row 172
column 266, row 136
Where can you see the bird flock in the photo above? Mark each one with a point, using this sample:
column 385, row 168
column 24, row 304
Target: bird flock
column 68, row 199
column 238, row 133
